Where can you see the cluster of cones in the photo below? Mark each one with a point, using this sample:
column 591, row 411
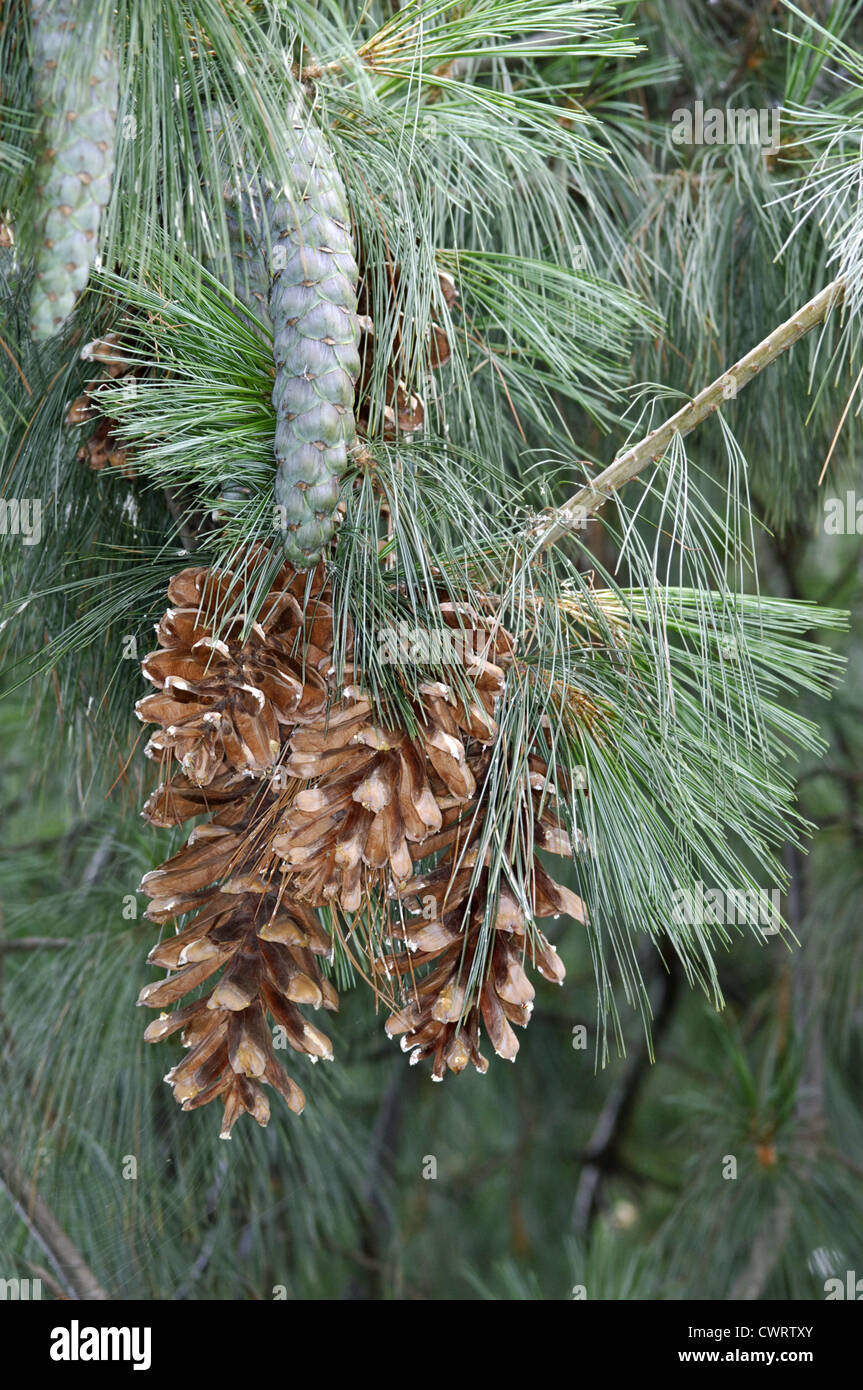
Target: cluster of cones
column 403, row 410
column 314, row 801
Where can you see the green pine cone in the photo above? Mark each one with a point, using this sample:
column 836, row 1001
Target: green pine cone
column 313, row 306
column 79, row 112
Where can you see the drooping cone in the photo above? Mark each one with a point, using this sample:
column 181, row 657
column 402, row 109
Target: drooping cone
column 386, row 799
column 75, row 84
column 449, row 995
column 379, row 789
column 264, row 947
column 345, row 835
column 313, row 307
column 388, row 812
column 226, row 699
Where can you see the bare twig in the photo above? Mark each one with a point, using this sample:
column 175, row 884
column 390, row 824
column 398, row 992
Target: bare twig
column 35, row 943
column 603, row 1150
column 651, row 449
column 186, row 534
column 68, row 1263
column 49, row 1279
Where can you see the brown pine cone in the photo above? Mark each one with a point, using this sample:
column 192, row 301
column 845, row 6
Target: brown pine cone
column 378, row 790
column 179, row 798
column 389, row 810
column 378, row 787
column 226, row 704
column 373, row 795
column 266, row 947
column 445, row 1009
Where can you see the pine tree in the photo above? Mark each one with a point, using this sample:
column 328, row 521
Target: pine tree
column 463, row 428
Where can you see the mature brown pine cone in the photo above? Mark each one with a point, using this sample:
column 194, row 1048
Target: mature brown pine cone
column 266, row 947
column 381, row 800
column 372, row 796
column 224, row 702
column 446, row 1008
column 179, row 799
column 379, row 789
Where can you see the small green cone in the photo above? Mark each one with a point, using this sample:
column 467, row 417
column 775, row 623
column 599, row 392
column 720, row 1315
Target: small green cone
column 78, row 110
column 313, row 307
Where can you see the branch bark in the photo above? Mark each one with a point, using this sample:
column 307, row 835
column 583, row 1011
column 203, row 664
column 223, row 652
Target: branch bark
column 376, row 1221
column 35, row 943
column 651, row 448
column 67, row 1261
column 602, row 1155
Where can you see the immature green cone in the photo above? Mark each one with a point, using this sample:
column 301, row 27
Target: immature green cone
column 313, row 306
column 78, row 107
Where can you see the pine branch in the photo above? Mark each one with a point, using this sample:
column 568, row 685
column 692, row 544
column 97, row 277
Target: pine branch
column 36, row 943
column 651, row 448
